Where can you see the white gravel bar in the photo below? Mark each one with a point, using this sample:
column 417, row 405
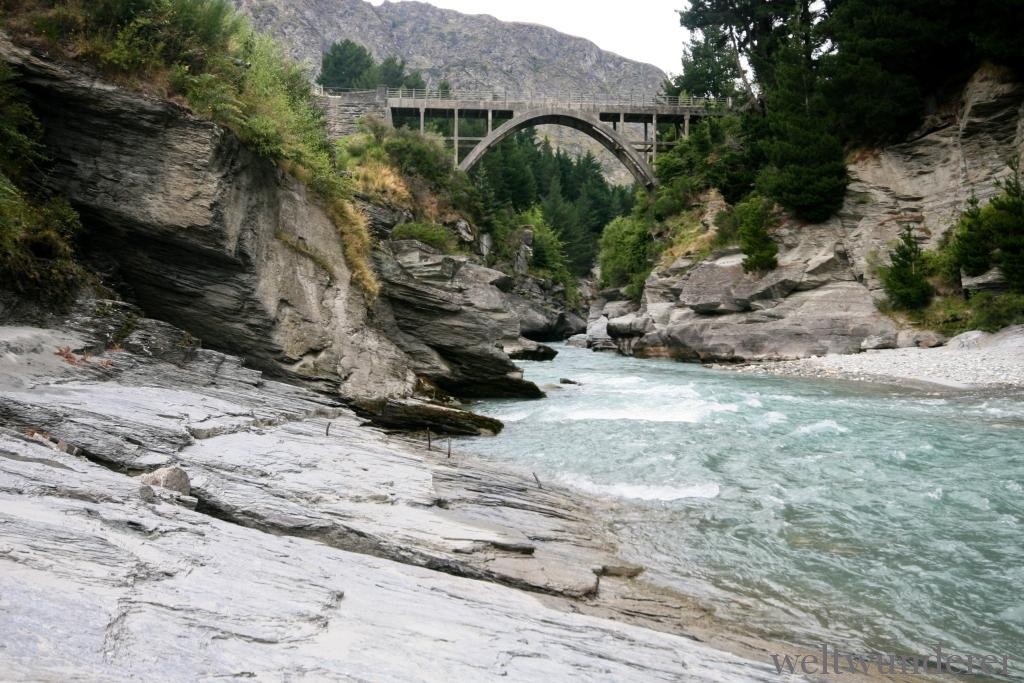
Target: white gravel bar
column 973, row 360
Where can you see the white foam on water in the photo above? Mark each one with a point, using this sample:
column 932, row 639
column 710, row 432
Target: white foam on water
column 623, row 381
column 514, row 415
column 704, row 490
column 691, row 413
column 822, row 427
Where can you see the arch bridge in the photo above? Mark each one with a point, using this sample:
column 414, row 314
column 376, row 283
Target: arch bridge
column 635, row 128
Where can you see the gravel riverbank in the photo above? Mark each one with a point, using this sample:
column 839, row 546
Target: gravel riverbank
column 973, row 360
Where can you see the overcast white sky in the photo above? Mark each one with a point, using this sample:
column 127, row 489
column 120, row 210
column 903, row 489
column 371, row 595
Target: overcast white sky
column 644, row 30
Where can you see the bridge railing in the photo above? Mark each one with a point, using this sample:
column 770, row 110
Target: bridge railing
column 570, row 99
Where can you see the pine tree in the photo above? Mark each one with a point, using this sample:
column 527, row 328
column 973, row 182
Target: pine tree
column 709, row 68
column 905, row 281
column 1008, row 229
column 806, row 172
column 562, row 217
column 345, row 65
column 972, row 243
column 757, row 245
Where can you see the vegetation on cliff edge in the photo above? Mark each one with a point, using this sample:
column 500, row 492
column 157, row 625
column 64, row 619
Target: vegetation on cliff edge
column 205, row 52
column 37, row 256
column 986, row 239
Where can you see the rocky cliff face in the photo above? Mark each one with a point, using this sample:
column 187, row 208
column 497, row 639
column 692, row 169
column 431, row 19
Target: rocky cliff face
column 821, row 298
column 210, row 237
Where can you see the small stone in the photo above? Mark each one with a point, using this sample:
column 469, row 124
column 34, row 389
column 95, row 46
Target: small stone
column 147, row 494
column 578, row 341
column 172, row 478
column 565, row 380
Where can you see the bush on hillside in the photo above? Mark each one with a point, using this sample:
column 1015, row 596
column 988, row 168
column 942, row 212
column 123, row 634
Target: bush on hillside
column 626, row 254
column 905, row 280
column 753, row 216
column 993, row 235
column 1006, row 225
column 432, row 234
column 37, row 259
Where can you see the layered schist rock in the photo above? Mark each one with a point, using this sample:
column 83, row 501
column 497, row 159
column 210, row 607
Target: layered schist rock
column 449, row 316
column 822, row 297
column 271, row 534
column 542, row 310
column 208, row 236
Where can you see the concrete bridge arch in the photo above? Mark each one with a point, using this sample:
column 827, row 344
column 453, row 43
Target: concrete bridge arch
column 611, row 139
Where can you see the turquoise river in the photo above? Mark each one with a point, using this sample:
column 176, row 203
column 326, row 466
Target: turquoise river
column 813, row 512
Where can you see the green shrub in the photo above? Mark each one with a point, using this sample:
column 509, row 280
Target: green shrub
column 626, row 254
column 719, row 153
column 1006, row 225
column 753, row 216
column 19, row 128
column 36, row 235
column 971, row 243
column 37, row 259
column 993, row 235
column 993, row 312
column 424, row 165
column 549, row 258
column 952, row 315
column 905, row 280
column 431, row 234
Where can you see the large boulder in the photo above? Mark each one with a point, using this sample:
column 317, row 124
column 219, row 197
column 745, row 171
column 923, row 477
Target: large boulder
column 543, row 310
column 527, row 349
column 447, row 314
column 708, row 288
column 836, row 318
column 413, row 415
column 598, row 338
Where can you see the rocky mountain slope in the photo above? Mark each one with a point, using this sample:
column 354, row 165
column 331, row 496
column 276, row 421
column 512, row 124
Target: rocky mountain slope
column 474, row 52
column 471, row 51
column 821, row 298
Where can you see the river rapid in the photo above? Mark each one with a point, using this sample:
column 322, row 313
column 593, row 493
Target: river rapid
column 864, row 517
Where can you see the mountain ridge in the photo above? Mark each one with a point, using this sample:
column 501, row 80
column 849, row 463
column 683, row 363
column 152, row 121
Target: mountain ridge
column 469, row 50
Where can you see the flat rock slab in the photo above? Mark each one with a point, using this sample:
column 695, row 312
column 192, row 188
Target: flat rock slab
column 286, row 460
column 98, row 584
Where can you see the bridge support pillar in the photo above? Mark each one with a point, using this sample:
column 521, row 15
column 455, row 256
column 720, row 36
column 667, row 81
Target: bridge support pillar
column 455, row 134
column 686, row 126
column 654, row 146
column 647, row 139
column 490, row 120
column 423, row 116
